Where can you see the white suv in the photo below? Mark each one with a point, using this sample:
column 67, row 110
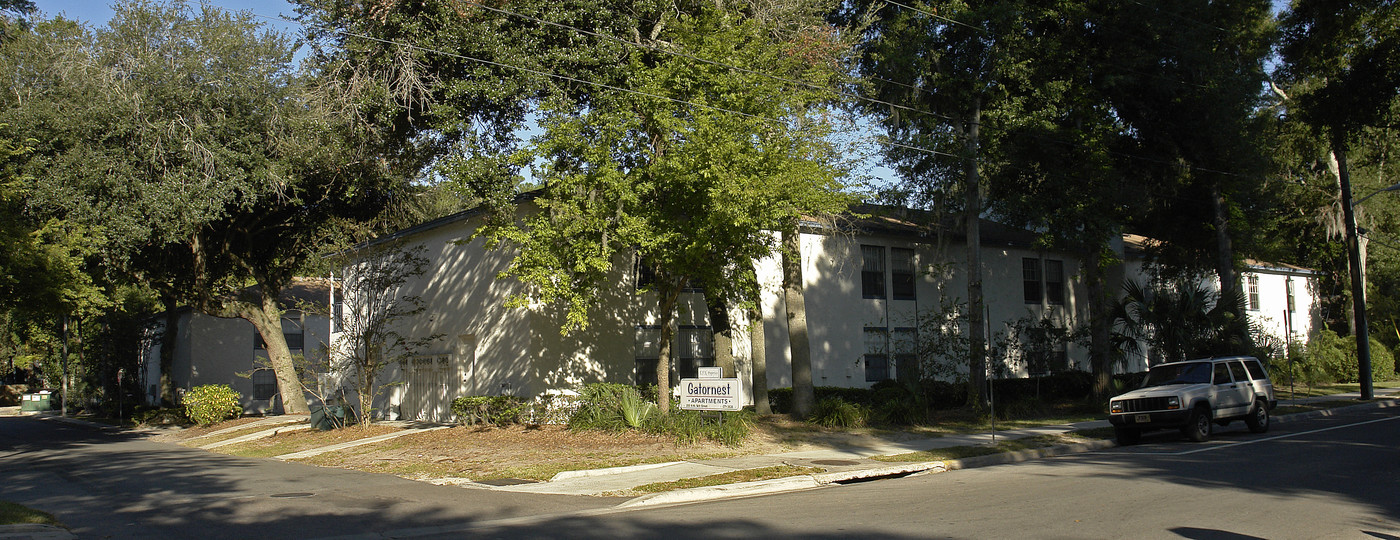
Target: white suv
column 1193, row 394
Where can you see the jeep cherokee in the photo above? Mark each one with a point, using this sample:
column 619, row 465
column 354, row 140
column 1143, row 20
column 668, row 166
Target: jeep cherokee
column 1194, row 394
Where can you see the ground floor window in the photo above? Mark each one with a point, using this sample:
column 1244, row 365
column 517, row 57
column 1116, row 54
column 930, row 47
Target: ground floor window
column 692, row 348
column 877, row 354
column 904, row 345
column 264, row 384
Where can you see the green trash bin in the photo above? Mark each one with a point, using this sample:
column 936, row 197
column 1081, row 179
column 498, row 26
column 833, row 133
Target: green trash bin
column 328, row 418
column 42, row 400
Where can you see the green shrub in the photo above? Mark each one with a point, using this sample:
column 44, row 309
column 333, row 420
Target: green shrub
column 211, row 403
column 495, row 410
column 838, row 413
column 780, row 399
column 635, row 410
column 153, row 416
column 620, row 407
column 599, row 407
column 731, row 428
column 1332, row 358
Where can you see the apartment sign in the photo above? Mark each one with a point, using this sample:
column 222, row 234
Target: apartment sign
column 711, row 395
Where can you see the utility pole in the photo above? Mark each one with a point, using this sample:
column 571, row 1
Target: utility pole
column 1358, row 273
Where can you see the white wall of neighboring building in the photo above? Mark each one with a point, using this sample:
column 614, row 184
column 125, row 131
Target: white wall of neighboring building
column 1272, row 311
column 838, row 312
column 483, row 347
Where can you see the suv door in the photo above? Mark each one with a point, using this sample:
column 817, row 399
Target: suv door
column 1231, row 398
column 1263, row 387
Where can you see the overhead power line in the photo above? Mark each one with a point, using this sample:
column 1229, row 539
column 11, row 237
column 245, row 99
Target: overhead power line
column 884, row 140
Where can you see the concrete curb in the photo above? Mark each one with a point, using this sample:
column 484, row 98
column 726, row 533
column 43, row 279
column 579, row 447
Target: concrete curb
column 351, row 444
column 1378, row 403
column 34, row 532
column 778, row 485
column 743, row 489
column 1027, row 455
column 904, row 469
column 588, row 473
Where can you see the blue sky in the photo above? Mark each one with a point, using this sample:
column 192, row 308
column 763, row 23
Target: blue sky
column 99, row 12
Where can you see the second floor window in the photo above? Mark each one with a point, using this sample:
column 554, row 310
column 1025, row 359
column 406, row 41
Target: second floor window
column 1043, row 286
column 1055, row 282
column 872, row 271
column 1252, row 284
column 1030, row 280
column 902, row 272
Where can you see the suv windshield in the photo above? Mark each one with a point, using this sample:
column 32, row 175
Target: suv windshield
column 1192, row 373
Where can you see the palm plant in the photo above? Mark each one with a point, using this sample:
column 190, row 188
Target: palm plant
column 1179, row 320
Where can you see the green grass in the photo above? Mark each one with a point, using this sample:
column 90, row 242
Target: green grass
column 1306, row 407
column 15, row 514
column 732, row 477
column 1283, row 392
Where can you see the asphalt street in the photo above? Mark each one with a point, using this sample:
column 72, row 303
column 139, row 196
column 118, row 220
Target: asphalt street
column 105, row 484
column 1328, row 477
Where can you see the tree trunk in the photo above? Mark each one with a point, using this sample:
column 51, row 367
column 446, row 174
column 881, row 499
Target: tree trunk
column 803, row 394
column 266, row 317
column 1100, row 323
column 976, row 322
column 1224, row 247
column 758, row 352
column 167, row 352
column 723, row 333
column 670, row 292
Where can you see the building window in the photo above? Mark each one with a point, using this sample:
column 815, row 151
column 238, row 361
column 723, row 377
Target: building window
column 648, row 353
column 1288, row 286
column 264, row 384
column 872, row 271
column 1030, row 280
column 645, row 274
column 292, row 332
column 1055, row 282
column 905, row 345
column 338, row 314
column 695, row 348
column 692, row 349
column 902, row 270
column 1252, row 284
column 1043, row 287
column 877, row 356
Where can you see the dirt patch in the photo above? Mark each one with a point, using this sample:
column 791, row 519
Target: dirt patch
column 536, row 453
column 524, row 452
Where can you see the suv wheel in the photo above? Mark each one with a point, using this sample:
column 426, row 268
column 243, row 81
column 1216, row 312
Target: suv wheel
column 1127, row 436
column 1258, row 419
column 1198, row 427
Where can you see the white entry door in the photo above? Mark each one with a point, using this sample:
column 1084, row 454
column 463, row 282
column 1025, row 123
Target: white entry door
column 427, row 395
